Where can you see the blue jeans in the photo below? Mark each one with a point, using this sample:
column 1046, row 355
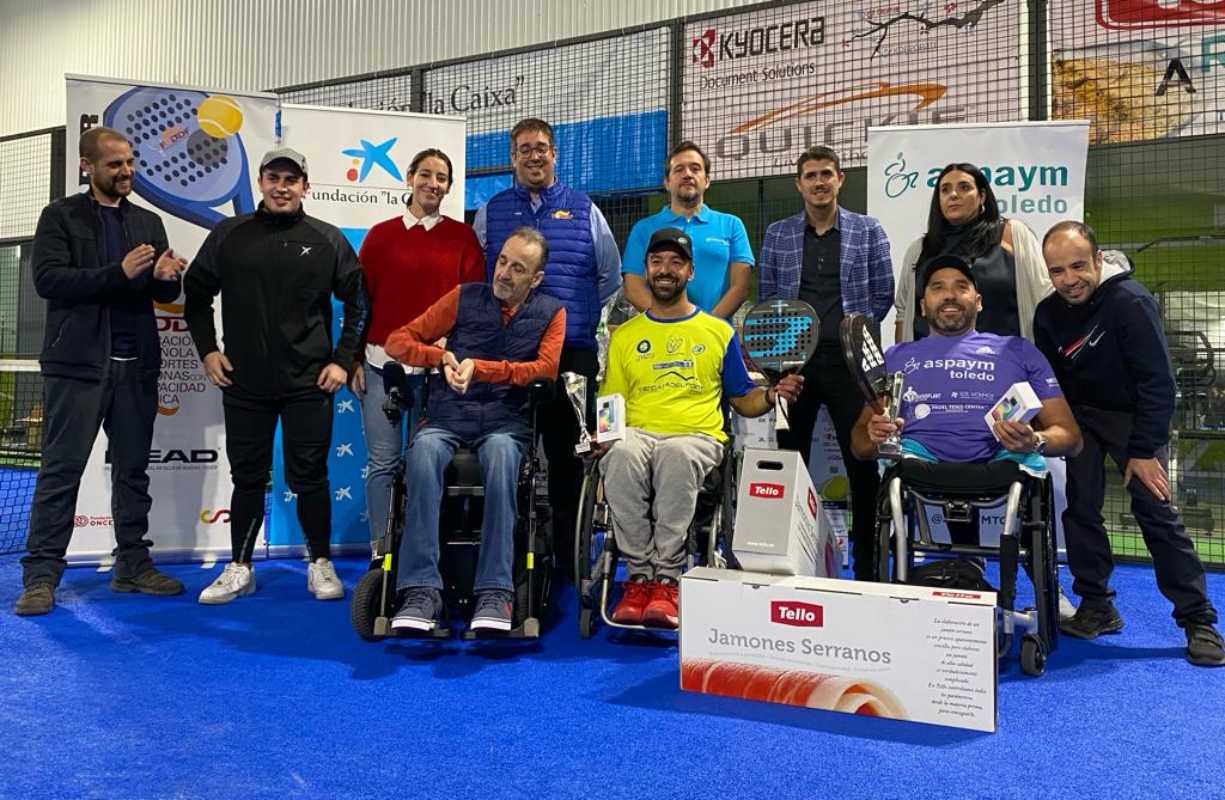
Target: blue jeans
column 384, row 447
column 501, row 451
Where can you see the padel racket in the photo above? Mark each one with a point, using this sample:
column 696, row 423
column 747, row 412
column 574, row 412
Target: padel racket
column 866, row 364
column 180, row 168
column 780, row 336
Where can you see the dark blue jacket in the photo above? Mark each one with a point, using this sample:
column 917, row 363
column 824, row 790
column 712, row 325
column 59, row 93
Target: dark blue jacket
column 571, row 274
column 71, row 272
column 1111, row 353
column 478, row 333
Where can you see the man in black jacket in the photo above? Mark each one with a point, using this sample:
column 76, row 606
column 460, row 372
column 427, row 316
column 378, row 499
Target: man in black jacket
column 276, row 271
column 1105, row 340
column 100, row 262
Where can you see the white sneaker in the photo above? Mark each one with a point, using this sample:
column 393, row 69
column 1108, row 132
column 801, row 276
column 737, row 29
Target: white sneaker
column 235, row 580
column 323, row 582
column 1066, row 609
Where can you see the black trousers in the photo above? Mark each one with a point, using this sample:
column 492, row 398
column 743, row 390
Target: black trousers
column 1180, row 574
column 306, row 432
column 559, row 434
column 125, row 406
column 828, row 382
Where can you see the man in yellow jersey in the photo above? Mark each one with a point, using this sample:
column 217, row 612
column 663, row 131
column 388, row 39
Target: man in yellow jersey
column 673, row 365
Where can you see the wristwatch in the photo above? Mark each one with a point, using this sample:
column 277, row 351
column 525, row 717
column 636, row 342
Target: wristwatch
column 1039, row 443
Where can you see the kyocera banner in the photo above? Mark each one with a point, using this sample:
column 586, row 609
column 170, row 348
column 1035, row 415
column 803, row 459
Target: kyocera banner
column 762, row 86
column 359, row 163
column 196, row 152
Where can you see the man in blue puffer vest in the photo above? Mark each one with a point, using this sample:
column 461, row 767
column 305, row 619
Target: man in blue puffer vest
column 499, row 338
column 583, row 271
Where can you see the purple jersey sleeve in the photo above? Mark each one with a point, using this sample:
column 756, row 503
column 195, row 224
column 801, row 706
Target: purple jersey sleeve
column 1038, row 370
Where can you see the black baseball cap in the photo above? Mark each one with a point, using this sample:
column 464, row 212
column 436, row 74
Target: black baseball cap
column 947, row 261
column 673, row 239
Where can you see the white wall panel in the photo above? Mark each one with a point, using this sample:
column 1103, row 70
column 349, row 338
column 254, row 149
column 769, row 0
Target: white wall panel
column 262, row 44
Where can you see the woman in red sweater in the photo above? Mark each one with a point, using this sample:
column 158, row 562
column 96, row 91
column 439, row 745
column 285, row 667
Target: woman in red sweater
column 409, row 262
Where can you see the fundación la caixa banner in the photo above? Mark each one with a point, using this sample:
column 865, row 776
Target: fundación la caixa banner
column 762, row 86
column 196, row 154
column 359, row 164
column 606, row 100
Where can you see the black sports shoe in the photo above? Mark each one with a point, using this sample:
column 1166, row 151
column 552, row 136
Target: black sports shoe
column 420, row 609
column 1092, row 619
column 36, row 599
column 1204, row 645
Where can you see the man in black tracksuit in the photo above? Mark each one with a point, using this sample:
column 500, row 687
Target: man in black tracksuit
column 1105, row 340
column 277, row 270
column 100, row 262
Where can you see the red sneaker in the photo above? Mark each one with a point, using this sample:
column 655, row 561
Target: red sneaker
column 633, row 603
column 662, row 611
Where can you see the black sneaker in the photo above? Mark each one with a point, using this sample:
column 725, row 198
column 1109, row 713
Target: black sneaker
column 493, row 611
column 36, row 599
column 420, row 609
column 1092, row 619
column 148, row 582
column 1204, row 645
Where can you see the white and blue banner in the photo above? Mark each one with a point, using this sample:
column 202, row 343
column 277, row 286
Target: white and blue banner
column 358, row 164
column 606, row 100
column 196, row 154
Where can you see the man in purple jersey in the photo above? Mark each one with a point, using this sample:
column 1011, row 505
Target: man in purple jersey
column 954, row 377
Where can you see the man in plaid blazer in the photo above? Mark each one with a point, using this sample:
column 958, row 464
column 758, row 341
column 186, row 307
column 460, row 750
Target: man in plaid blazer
column 838, row 262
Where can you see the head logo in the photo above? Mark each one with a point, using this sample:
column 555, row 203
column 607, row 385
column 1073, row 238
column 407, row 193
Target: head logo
column 367, row 156
column 209, row 517
column 897, row 180
column 770, row 491
column 1123, row 14
column 797, row 614
column 704, row 49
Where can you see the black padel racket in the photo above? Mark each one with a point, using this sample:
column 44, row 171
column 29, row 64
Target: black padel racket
column 780, row 336
column 864, row 359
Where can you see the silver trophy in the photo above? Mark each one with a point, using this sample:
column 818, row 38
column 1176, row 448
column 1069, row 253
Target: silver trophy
column 576, row 390
column 892, row 399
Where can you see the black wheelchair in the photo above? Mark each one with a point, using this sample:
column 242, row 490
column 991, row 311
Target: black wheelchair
column 910, row 487
column 374, row 598
column 596, row 555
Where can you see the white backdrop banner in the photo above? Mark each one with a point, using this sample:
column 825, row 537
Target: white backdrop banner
column 359, row 164
column 196, row 151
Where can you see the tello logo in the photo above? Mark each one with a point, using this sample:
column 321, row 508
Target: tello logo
column 812, row 503
column 800, row 615
column 770, row 491
column 1159, row 13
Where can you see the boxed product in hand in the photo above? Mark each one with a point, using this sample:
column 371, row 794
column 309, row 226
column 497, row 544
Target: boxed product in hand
column 610, row 418
column 1019, row 404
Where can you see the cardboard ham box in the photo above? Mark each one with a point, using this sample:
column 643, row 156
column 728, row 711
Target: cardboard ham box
column 885, row 650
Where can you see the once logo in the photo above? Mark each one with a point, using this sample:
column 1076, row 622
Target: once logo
column 800, row 615
column 770, row 491
column 80, row 521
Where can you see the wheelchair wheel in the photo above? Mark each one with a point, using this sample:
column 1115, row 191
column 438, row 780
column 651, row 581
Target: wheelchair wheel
column 585, row 531
column 364, row 607
column 1033, row 656
column 586, row 624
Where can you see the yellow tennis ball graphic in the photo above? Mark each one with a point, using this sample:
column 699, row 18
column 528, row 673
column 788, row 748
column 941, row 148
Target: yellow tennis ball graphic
column 219, row 116
column 836, row 488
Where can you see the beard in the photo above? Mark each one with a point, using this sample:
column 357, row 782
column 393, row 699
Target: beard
column 962, row 321
column 668, row 293
column 110, row 186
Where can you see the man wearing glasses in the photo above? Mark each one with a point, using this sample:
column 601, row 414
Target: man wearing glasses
column 583, row 271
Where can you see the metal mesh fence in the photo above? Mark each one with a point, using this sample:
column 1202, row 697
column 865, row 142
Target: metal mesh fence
column 757, row 86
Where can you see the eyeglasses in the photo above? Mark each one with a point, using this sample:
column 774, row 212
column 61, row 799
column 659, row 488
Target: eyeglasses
column 526, row 150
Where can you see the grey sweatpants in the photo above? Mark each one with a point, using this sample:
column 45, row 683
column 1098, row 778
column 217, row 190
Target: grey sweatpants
column 675, row 467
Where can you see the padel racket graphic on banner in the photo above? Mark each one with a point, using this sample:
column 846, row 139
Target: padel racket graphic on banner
column 189, row 155
column 867, row 365
column 780, row 336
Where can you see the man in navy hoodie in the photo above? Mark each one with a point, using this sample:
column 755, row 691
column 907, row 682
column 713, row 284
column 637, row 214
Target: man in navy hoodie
column 1105, row 340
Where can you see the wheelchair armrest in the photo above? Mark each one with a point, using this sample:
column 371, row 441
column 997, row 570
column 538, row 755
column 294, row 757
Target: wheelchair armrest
column 540, row 391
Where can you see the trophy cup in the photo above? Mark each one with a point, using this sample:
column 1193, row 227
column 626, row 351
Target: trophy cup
column 891, row 398
column 576, row 390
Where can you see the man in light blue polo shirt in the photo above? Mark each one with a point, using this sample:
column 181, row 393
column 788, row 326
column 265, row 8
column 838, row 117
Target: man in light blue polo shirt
column 722, row 257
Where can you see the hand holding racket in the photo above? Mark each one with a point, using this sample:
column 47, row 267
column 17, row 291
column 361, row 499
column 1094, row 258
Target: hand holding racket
column 779, row 337
column 867, row 366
